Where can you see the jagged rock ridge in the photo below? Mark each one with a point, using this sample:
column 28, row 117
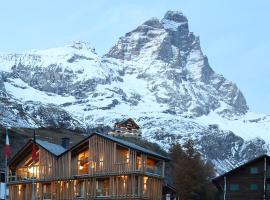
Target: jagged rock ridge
column 156, row 74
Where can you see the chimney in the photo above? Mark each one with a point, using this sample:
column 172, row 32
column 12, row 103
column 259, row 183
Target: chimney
column 65, row 142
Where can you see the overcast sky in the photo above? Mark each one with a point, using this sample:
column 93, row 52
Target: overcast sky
column 235, row 34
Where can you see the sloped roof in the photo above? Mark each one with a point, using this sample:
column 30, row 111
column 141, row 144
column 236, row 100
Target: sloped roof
column 241, row 166
column 126, row 121
column 58, row 150
column 53, row 148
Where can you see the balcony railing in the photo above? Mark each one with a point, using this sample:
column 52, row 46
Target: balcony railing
column 154, row 170
column 27, row 173
column 117, row 168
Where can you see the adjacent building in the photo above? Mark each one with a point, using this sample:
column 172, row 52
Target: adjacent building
column 126, row 128
column 99, row 167
column 248, row 181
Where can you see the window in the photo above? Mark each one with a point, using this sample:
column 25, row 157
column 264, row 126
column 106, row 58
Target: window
column 268, row 186
column 2, row 180
column 136, row 185
column 83, row 162
column 145, row 184
column 122, row 155
column 27, row 169
column 253, row 186
column 122, row 182
column 79, row 188
column 102, row 187
column 153, row 166
column 268, row 172
column 138, row 161
column 254, row 170
column 234, row 187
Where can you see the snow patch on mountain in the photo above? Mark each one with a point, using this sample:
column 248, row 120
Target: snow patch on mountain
column 156, row 74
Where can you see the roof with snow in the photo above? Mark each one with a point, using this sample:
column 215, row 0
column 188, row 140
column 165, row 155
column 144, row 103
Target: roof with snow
column 53, row 148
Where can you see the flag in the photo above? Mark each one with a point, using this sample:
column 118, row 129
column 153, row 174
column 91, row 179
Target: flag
column 34, row 148
column 8, row 150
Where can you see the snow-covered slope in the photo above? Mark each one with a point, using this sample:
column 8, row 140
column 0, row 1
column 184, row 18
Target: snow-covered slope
column 156, row 74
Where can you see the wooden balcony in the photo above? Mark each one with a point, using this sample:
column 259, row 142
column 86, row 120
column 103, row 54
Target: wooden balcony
column 154, row 170
column 116, row 169
column 28, row 173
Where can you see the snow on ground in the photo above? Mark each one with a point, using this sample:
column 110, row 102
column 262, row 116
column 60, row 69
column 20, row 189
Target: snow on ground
column 248, row 127
column 79, row 57
column 22, row 91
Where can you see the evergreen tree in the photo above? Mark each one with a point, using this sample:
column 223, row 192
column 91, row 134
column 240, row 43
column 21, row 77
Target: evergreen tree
column 191, row 175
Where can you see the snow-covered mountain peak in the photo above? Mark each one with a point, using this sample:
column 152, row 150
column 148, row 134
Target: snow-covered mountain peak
column 156, row 74
column 173, row 20
column 176, row 16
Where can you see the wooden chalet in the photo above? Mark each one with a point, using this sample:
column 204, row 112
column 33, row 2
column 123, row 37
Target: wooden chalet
column 248, row 181
column 126, row 128
column 98, row 167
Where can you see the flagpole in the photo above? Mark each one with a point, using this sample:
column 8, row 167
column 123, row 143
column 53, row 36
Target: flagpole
column 6, row 177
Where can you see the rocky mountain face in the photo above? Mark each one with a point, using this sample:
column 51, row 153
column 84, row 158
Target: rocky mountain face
column 156, row 74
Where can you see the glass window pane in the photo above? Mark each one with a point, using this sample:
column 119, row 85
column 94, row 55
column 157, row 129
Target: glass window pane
column 254, row 170
column 234, row 187
column 268, row 186
column 253, row 186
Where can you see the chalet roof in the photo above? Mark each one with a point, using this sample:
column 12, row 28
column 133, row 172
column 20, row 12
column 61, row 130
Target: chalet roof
column 241, row 166
column 58, row 150
column 127, row 121
column 53, row 148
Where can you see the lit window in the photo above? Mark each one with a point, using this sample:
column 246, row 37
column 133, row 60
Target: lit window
column 253, row 186
column 122, row 155
column 145, row 183
column 234, row 187
column 254, row 170
column 83, row 162
column 138, row 161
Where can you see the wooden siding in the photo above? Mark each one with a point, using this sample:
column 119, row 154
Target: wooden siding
column 102, row 160
column 243, row 178
column 68, row 190
column 130, row 179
